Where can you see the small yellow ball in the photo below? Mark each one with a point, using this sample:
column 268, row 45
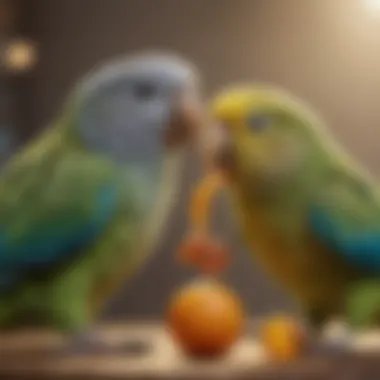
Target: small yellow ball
column 283, row 338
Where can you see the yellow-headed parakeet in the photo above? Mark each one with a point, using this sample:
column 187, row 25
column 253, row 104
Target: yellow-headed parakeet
column 309, row 213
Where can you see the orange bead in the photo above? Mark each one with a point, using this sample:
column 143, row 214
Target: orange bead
column 203, row 195
column 205, row 318
column 204, row 254
column 283, row 338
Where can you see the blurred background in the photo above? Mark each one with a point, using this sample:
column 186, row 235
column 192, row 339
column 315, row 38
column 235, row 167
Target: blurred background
column 327, row 52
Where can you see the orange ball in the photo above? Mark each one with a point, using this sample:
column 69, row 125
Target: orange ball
column 205, row 318
column 283, row 338
column 205, row 254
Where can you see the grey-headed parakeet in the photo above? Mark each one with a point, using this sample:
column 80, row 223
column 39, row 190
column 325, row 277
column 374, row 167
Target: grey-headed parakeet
column 83, row 204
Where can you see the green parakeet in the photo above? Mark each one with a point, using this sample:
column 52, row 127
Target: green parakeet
column 309, row 213
column 84, row 204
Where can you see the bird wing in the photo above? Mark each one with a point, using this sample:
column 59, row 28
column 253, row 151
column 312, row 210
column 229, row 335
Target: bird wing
column 51, row 209
column 346, row 216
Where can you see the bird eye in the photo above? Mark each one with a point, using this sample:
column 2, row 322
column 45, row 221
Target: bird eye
column 144, row 91
column 258, row 122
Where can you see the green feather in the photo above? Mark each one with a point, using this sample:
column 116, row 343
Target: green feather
column 56, row 175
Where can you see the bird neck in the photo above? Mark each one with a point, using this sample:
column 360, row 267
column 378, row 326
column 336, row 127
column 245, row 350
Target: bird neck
column 288, row 195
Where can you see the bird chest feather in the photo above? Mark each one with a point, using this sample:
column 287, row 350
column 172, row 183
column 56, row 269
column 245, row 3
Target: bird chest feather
column 294, row 257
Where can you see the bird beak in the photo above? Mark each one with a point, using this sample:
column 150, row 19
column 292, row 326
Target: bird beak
column 186, row 119
column 225, row 158
column 218, row 151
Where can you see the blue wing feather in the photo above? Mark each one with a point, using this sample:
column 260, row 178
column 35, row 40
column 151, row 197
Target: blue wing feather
column 41, row 249
column 360, row 246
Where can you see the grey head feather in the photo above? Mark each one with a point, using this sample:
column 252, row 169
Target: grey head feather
column 124, row 106
column 167, row 66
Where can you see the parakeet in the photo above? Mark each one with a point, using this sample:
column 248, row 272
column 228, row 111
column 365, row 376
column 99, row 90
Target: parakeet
column 83, row 204
column 309, row 212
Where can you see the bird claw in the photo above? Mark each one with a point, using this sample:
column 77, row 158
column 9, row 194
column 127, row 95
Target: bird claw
column 335, row 340
column 88, row 345
column 328, row 348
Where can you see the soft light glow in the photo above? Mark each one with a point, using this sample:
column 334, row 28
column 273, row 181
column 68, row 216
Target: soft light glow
column 373, row 5
column 20, row 56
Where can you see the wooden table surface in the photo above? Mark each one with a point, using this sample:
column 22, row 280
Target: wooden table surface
column 161, row 359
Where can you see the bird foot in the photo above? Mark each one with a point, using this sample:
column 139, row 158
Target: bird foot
column 91, row 345
column 335, row 340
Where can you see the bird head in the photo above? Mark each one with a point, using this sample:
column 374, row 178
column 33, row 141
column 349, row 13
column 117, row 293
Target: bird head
column 265, row 135
column 134, row 109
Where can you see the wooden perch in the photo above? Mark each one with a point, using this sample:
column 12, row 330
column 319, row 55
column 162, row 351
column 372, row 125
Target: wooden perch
column 23, row 357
